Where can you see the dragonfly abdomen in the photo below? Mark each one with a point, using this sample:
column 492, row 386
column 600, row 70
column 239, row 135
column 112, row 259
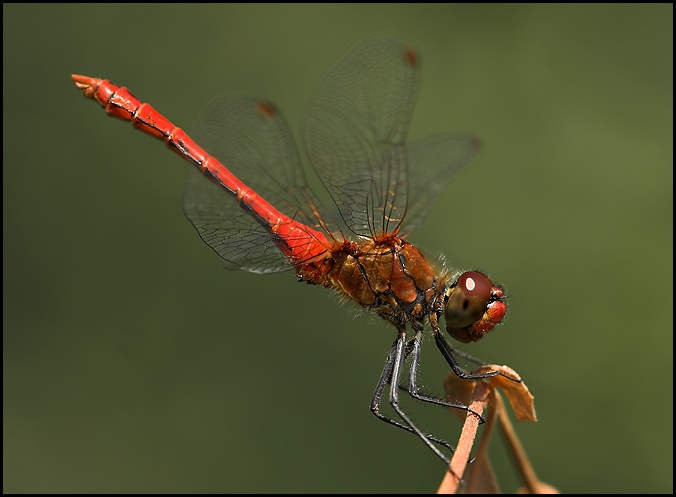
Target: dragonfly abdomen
column 297, row 241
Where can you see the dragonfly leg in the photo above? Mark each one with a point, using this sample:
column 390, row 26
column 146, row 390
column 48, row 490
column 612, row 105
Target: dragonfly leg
column 392, row 375
column 413, row 381
column 466, row 356
column 385, row 379
column 447, row 351
column 478, row 362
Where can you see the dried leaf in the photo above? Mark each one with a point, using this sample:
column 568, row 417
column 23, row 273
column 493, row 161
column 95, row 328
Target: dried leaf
column 517, row 393
column 480, row 395
column 479, row 478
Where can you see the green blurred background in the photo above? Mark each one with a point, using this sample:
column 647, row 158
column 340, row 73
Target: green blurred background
column 132, row 362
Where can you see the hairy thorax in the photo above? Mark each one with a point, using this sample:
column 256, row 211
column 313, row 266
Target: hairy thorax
column 386, row 274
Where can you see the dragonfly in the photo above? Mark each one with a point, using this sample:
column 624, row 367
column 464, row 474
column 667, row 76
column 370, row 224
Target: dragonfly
column 249, row 199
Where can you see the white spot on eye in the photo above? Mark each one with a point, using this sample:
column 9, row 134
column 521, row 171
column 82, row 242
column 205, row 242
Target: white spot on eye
column 470, row 284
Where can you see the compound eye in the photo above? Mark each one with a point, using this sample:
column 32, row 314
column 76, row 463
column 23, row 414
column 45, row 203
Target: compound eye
column 475, row 284
column 473, row 307
column 468, row 299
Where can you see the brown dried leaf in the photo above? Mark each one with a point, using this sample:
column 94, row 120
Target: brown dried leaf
column 479, row 478
column 480, row 394
column 518, row 394
column 460, row 391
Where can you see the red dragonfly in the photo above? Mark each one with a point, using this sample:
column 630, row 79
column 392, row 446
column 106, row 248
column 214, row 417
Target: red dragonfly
column 381, row 189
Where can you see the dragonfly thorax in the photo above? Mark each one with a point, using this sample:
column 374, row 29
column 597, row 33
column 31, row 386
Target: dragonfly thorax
column 387, row 275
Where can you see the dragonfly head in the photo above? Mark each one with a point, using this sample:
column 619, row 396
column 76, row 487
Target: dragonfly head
column 473, row 306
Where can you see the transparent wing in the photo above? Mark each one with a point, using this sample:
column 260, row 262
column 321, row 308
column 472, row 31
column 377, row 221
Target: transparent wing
column 251, row 139
column 230, row 231
column 355, row 128
column 433, row 162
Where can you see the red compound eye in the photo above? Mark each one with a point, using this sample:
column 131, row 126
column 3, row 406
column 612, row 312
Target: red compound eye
column 475, row 284
column 473, row 307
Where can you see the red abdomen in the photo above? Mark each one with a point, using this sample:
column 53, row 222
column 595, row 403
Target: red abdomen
column 297, row 241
